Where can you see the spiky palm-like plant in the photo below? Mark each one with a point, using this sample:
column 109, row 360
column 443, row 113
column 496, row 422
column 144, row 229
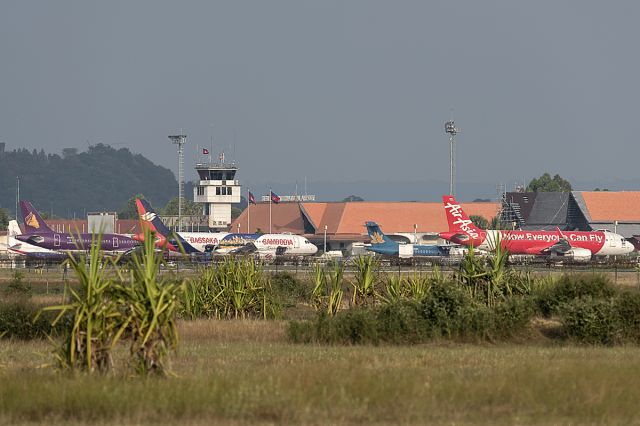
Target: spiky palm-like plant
column 365, row 280
column 335, row 291
column 150, row 303
column 319, row 292
column 96, row 319
column 393, row 290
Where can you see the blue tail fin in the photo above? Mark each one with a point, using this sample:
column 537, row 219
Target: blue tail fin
column 149, row 218
column 33, row 222
column 376, row 235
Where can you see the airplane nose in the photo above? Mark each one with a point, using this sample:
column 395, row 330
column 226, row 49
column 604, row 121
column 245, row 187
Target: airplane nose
column 628, row 247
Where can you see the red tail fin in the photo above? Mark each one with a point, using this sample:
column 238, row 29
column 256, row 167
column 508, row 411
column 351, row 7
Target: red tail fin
column 457, row 219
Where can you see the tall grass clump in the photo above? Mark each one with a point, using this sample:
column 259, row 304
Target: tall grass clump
column 113, row 304
column 366, row 277
column 236, row 288
column 328, row 289
column 96, row 324
column 148, row 304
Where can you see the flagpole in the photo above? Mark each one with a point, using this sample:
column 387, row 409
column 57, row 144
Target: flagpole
column 248, row 210
column 270, row 209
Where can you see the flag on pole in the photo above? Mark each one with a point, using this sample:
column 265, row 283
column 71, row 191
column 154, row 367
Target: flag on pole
column 252, row 199
column 274, row 198
column 205, row 151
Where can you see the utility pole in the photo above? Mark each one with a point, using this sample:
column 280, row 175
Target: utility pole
column 180, row 140
column 17, row 194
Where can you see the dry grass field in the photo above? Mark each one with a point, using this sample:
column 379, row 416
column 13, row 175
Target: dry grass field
column 247, row 372
column 244, row 372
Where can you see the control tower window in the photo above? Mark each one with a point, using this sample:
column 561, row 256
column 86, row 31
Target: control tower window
column 218, row 190
column 229, row 191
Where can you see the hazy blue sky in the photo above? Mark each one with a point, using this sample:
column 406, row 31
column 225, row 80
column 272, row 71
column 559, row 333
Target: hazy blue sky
column 332, row 90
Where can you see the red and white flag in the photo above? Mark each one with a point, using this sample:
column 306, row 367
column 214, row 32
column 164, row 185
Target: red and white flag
column 205, row 151
column 274, row 198
column 252, row 199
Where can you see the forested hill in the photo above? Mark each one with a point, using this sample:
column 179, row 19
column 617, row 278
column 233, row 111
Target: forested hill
column 100, row 179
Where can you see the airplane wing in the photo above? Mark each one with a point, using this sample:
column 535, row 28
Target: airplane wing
column 245, row 249
column 561, row 246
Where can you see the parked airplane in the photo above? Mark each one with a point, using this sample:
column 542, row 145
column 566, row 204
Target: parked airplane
column 191, row 242
column 274, row 245
column 266, row 245
column 576, row 245
column 26, row 249
column 382, row 244
column 39, row 234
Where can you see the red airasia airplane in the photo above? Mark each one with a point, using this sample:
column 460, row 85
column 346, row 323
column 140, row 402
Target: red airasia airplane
column 579, row 246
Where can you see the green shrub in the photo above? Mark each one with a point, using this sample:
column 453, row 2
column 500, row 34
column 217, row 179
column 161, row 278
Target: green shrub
column 17, row 286
column 569, row 287
column 402, row 323
column 513, row 316
column 448, row 312
column 289, row 290
column 627, row 306
column 355, row 326
column 17, row 321
column 443, row 308
column 589, row 320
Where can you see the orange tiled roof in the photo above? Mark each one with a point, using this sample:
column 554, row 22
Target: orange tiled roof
column 350, row 217
column 285, row 217
column 605, row 206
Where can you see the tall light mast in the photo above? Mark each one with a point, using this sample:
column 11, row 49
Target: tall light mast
column 450, row 127
column 180, row 140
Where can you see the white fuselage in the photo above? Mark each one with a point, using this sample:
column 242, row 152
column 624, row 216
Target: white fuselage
column 203, row 241
column 290, row 245
column 599, row 243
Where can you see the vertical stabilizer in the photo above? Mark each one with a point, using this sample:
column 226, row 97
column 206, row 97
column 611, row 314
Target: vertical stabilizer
column 12, row 231
column 376, row 234
column 151, row 221
column 457, row 219
column 33, row 222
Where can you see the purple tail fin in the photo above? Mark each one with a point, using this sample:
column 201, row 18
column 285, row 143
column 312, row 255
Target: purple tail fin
column 33, row 222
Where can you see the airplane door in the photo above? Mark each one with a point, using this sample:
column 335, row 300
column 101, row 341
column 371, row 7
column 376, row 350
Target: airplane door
column 296, row 242
column 115, row 242
column 56, row 240
column 612, row 242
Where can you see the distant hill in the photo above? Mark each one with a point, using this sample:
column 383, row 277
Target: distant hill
column 100, row 179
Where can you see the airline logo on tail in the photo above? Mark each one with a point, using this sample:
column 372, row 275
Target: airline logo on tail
column 32, row 221
column 457, row 219
column 376, row 238
column 376, row 234
column 148, row 216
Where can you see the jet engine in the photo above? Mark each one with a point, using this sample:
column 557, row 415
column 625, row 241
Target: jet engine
column 578, row 254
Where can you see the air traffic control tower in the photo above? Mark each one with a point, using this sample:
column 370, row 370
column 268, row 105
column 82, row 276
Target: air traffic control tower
column 216, row 191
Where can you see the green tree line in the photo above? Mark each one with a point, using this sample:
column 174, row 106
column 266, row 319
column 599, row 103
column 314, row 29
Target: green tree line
column 101, row 178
